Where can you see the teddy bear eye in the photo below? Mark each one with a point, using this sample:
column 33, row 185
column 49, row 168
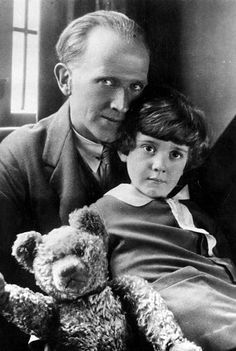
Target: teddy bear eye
column 79, row 251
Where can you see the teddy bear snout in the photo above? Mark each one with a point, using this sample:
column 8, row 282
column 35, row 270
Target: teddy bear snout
column 69, row 271
column 70, row 274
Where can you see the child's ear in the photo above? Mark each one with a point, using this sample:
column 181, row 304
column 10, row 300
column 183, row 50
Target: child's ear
column 122, row 156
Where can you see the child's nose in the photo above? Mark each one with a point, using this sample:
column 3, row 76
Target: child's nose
column 159, row 163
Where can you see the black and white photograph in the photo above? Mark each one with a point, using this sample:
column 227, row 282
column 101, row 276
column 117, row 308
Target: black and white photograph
column 117, row 175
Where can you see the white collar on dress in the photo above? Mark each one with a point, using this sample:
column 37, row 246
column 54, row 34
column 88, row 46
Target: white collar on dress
column 132, row 196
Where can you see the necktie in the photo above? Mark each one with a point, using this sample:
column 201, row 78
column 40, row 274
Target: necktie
column 104, row 168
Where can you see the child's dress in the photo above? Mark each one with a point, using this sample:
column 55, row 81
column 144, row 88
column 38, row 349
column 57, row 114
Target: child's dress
column 146, row 238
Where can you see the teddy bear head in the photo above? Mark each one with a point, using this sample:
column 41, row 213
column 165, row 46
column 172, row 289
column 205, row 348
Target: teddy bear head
column 69, row 261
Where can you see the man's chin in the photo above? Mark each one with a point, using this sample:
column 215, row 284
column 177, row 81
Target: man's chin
column 107, row 139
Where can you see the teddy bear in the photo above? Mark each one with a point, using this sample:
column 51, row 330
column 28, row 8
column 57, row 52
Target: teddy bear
column 80, row 308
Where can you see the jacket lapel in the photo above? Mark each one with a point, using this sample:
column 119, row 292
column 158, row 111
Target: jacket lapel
column 69, row 177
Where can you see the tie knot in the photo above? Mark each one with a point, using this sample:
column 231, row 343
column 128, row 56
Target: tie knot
column 104, row 168
column 105, row 158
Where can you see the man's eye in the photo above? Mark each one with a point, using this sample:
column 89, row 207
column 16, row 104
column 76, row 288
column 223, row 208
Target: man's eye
column 137, row 87
column 107, row 82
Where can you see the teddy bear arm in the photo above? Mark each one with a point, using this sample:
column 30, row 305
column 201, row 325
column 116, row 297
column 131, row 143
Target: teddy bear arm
column 29, row 311
column 152, row 315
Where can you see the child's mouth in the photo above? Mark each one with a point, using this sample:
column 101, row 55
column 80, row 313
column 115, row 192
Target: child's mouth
column 157, row 180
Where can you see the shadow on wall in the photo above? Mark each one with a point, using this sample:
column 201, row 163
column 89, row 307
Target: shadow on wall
column 194, row 49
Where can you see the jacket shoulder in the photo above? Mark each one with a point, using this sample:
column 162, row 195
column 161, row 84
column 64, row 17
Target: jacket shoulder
column 33, row 137
column 25, row 137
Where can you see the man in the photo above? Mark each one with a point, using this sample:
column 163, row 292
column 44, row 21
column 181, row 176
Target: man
column 54, row 166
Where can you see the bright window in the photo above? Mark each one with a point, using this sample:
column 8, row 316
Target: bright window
column 25, row 60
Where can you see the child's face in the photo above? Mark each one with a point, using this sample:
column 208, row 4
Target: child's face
column 155, row 166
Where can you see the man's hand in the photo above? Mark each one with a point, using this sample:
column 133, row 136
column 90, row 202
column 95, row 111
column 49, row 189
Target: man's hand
column 2, row 283
column 3, row 294
column 36, row 344
column 39, row 346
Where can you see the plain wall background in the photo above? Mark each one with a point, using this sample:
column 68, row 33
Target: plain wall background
column 208, row 57
column 194, row 49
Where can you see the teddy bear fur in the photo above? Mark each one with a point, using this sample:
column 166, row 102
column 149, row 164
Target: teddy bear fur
column 80, row 308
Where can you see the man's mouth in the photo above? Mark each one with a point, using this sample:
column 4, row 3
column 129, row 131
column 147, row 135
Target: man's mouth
column 112, row 119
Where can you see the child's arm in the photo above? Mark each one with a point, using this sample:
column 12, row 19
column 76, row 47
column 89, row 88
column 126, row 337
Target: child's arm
column 29, row 311
column 153, row 317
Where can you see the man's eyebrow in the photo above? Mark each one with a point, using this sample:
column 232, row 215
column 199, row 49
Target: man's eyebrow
column 143, row 81
column 105, row 76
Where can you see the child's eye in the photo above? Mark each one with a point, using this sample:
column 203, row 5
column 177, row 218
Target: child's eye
column 175, row 155
column 149, row 148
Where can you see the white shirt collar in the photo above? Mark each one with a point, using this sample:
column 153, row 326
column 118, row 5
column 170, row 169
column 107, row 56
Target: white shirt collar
column 89, row 150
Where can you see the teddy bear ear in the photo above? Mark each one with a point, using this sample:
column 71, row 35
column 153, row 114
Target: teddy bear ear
column 89, row 220
column 25, row 247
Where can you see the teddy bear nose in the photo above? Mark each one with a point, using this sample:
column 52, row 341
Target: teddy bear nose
column 68, row 271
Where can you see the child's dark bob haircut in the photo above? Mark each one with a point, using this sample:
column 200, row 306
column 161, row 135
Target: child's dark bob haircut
column 168, row 116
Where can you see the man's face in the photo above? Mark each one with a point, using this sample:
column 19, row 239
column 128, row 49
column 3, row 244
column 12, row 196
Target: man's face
column 155, row 166
column 109, row 75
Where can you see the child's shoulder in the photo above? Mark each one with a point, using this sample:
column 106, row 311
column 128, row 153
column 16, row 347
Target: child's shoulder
column 118, row 200
column 129, row 194
column 109, row 207
column 113, row 196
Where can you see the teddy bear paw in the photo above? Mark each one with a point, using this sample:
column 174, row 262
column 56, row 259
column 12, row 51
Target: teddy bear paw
column 185, row 346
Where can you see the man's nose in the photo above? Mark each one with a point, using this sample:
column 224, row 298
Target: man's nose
column 120, row 101
column 159, row 163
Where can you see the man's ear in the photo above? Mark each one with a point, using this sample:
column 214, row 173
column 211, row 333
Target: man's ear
column 63, row 78
column 122, row 156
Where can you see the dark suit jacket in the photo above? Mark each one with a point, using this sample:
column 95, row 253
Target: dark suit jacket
column 42, row 179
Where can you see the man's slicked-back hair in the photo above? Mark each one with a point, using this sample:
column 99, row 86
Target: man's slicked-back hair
column 72, row 41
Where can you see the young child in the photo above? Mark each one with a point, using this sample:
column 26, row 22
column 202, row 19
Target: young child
column 156, row 232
